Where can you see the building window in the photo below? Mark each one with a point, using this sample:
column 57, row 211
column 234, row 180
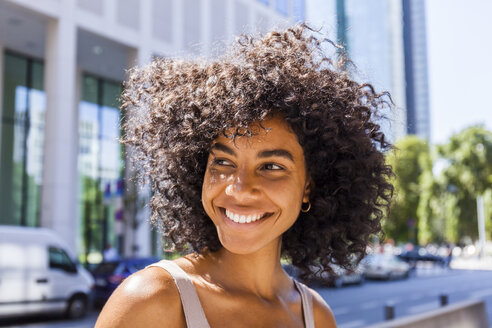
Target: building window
column 299, row 10
column 22, row 140
column 100, row 166
column 282, row 7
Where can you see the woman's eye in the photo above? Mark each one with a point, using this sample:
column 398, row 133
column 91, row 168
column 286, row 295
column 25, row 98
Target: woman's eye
column 221, row 162
column 272, row 167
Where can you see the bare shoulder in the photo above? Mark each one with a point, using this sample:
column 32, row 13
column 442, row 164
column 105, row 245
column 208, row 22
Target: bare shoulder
column 323, row 316
column 148, row 298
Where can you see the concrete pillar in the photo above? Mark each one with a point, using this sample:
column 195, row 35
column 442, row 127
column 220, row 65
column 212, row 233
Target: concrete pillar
column 144, row 53
column 110, row 11
column 1, row 86
column 178, row 33
column 230, row 7
column 137, row 230
column 142, row 238
column 59, row 191
column 78, row 230
column 206, row 28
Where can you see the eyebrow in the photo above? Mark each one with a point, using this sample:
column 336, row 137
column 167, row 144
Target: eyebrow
column 263, row 154
column 223, row 148
column 276, row 153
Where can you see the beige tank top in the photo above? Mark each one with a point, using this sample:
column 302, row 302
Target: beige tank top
column 193, row 311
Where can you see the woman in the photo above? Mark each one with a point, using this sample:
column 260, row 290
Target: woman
column 271, row 151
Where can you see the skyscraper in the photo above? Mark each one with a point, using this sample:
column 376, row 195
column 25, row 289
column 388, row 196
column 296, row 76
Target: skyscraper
column 416, row 75
column 371, row 32
column 386, row 40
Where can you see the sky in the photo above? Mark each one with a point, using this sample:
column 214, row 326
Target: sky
column 460, row 65
column 459, row 41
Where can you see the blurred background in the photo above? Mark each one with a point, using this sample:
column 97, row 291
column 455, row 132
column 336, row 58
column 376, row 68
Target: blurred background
column 62, row 64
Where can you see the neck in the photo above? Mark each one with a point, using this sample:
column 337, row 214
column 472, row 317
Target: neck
column 259, row 273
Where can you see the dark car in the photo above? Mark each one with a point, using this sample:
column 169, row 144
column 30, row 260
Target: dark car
column 420, row 254
column 108, row 275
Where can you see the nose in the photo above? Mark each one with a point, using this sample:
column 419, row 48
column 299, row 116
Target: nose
column 243, row 186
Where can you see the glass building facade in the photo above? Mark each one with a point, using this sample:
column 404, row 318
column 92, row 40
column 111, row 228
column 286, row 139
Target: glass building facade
column 282, row 7
column 417, row 85
column 100, row 164
column 372, row 52
column 61, row 67
column 22, row 140
column 371, row 32
column 100, row 159
column 299, row 10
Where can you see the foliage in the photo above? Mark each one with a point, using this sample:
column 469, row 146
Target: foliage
column 468, row 175
column 409, row 160
column 487, row 199
column 429, row 211
column 91, row 212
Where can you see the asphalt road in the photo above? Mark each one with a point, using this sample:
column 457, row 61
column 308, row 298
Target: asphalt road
column 360, row 306
column 52, row 322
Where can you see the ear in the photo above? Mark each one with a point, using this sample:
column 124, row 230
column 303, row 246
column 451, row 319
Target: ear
column 308, row 188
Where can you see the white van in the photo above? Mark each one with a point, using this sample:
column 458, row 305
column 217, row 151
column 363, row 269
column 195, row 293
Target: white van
column 38, row 275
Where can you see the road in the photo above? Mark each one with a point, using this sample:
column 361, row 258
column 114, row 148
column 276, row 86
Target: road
column 360, row 306
column 52, row 322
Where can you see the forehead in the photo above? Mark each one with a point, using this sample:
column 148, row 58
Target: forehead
column 271, row 133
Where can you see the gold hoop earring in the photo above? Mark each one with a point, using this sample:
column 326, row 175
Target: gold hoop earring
column 307, row 209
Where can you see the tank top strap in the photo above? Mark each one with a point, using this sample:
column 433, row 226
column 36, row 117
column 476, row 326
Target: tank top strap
column 193, row 310
column 307, row 304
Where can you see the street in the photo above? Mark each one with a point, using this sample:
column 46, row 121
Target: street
column 52, row 322
column 360, row 306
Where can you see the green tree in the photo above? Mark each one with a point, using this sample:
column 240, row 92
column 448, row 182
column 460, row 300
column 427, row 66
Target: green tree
column 410, row 160
column 487, row 199
column 430, row 213
column 91, row 212
column 468, row 175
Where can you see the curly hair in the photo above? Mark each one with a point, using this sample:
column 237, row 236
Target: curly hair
column 176, row 108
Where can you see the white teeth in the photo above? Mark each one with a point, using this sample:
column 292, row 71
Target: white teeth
column 242, row 218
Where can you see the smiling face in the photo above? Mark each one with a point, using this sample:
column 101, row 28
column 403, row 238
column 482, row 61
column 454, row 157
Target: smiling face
column 254, row 186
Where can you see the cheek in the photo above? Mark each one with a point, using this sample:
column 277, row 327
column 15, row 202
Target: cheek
column 213, row 183
column 213, row 180
column 288, row 196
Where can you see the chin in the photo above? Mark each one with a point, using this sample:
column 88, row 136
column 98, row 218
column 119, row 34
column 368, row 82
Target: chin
column 239, row 247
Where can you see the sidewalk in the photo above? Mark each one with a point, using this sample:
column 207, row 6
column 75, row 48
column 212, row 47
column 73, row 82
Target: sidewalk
column 472, row 263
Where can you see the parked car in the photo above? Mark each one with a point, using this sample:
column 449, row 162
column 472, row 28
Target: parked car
column 108, row 275
column 344, row 277
column 420, row 254
column 38, row 275
column 341, row 278
column 385, row 266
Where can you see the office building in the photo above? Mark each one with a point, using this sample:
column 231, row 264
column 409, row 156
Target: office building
column 61, row 72
column 372, row 34
column 416, row 73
